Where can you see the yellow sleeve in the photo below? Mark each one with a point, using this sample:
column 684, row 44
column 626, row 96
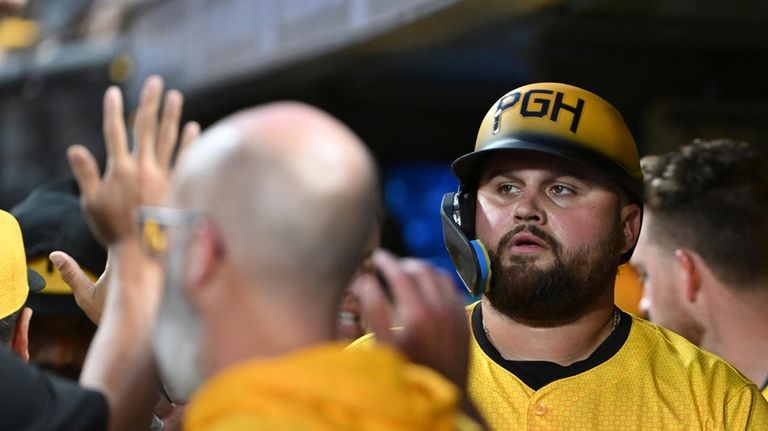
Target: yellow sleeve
column 747, row 410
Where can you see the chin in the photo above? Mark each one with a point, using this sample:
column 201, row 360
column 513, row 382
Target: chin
column 521, row 262
column 178, row 358
column 177, row 343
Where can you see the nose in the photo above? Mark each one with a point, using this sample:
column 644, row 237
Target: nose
column 527, row 209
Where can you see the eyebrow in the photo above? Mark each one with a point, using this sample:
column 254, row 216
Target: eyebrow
column 552, row 175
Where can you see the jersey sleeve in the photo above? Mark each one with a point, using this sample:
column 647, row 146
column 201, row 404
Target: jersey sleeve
column 747, row 410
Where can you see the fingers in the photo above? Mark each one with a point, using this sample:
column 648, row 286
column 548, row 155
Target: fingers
column 375, row 307
column 426, row 303
column 154, row 143
column 86, row 171
column 145, row 125
column 169, row 127
column 426, row 279
column 420, row 290
column 114, row 126
column 401, row 283
column 190, row 133
column 450, row 289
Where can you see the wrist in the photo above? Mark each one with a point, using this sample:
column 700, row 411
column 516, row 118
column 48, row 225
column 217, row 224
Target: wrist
column 135, row 283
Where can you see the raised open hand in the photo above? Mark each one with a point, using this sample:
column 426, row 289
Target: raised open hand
column 130, row 179
column 126, row 300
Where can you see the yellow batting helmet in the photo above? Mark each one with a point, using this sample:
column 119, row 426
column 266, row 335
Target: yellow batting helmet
column 551, row 118
column 561, row 120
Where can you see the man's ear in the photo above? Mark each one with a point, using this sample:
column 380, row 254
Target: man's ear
column 631, row 219
column 20, row 340
column 203, row 254
column 689, row 273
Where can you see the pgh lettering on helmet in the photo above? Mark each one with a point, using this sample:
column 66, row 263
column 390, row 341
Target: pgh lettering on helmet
column 538, row 107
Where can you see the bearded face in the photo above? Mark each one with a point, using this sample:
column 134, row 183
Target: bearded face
column 177, row 339
column 558, row 291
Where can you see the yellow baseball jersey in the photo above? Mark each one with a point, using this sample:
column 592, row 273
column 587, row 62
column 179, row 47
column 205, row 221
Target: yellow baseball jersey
column 326, row 388
column 654, row 380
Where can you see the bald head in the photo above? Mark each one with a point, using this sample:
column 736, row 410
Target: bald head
column 292, row 191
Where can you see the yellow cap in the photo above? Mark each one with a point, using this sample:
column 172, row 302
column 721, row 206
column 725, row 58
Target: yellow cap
column 14, row 287
column 561, row 120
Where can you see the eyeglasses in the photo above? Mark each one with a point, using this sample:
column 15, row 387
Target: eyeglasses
column 158, row 224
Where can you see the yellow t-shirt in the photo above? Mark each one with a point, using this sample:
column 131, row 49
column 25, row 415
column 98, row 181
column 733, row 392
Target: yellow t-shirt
column 656, row 381
column 326, row 388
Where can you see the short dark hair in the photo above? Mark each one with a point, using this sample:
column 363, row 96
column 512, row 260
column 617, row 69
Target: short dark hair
column 712, row 197
column 8, row 327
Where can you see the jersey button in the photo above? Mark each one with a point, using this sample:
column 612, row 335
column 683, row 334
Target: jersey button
column 541, row 409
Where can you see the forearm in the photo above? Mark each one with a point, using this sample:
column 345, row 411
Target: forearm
column 95, row 308
column 120, row 362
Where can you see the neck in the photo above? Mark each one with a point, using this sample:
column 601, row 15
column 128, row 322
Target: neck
column 739, row 333
column 562, row 345
column 250, row 327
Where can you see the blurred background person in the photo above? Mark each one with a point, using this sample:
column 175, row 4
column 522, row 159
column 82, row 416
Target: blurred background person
column 702, row 251
column 51, row 219
column 33, row 399
column 351, row 323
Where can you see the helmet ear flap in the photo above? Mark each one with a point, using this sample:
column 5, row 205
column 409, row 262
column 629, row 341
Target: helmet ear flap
column 469, row 256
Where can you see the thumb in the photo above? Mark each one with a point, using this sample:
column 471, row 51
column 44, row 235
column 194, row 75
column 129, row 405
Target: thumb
column 71, row 273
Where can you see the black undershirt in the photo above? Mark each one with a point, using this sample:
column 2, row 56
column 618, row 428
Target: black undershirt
column 537, row 374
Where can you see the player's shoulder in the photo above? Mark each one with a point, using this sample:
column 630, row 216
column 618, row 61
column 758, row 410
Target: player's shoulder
column 667, row 345
column 667, row 349
column 365, row 342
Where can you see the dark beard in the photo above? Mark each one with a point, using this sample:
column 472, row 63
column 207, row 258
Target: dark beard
column 557, row 295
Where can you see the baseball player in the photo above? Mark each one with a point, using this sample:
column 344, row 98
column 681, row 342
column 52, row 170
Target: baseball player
column 702, row 251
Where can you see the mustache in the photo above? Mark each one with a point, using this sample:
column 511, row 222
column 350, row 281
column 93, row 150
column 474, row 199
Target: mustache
column 533, row 230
